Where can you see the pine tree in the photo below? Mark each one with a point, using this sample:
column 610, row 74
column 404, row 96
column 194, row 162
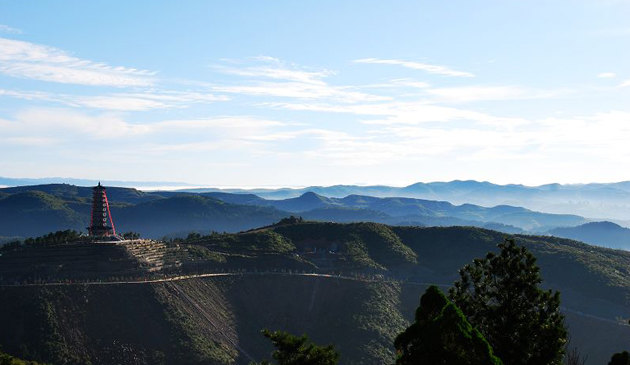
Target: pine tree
column 441, row 335
column 294, row 350
column 621, row 358
column 500, row 295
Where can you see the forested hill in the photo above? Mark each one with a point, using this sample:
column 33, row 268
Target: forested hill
column 606, row 234
column 36, row 210
column 376, row 275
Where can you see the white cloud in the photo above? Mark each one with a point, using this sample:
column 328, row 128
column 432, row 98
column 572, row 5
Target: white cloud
column 144, row 101
column 606, row 75
column 140, row 101
column 418, row 113
column 31, row 141
column 27, row 95
column 235, row 126
column 33, row 61
column 406, row 113
column 290, row 81
column 600, row 136
column 397, row 83
column 273, row 68
column 487, row 93
column 75, row 126
column 301, row 91
column 202, row 146
column 10, row 30
column 433, row 69
column 116, row 102
column 69, row 124
column 625, row 83
column 410, row 83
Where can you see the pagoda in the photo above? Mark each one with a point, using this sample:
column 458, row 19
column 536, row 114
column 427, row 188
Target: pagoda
column 101, row 223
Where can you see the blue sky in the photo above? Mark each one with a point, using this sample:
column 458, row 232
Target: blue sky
column 294, row 93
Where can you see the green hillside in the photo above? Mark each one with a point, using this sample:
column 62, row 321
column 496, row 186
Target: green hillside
column 373, row 277
column 35, row 212
column 186, row 213
column 606, row 234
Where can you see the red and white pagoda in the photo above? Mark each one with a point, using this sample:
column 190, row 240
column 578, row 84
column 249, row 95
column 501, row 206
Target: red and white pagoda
column 101, row 223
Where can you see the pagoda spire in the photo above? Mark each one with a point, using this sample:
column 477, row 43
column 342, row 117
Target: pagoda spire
column 101, row 223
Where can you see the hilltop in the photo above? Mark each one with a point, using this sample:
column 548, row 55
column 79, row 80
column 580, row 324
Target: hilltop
column 355, row 285
column 606, row 234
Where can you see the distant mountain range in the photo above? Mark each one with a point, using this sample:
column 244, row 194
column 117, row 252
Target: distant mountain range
column 605, row 200
column 38, row 209
column 399, row 210
column 9, row 181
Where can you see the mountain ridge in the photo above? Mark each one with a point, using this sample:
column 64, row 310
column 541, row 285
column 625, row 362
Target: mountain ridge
column 155, row 214
column 602, row 200
column 605, row 234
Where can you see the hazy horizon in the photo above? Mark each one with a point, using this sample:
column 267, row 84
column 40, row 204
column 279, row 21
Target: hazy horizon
column 175, row 185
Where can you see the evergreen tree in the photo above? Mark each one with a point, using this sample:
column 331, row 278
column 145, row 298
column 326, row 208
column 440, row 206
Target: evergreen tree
column 6, row 359
column 441, row 335
column 294, row 350
column 500, row 295
column 621, row 358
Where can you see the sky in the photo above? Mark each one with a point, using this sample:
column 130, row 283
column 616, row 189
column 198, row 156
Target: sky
column 298, row 93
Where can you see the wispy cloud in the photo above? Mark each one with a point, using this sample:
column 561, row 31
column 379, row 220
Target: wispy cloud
column 273, row 68
column 33, row 61
column 418, row 113
column 301, row 91
column 405, row 113
column 489, row 93
column 232, row 125
column 10, row 30
column 397, row 84
column 606, row 75
column 74, row 125
column 410, row 83
column 140, row 101
column 433, row 69
column 66, row 124
column 144, row 101
column 287, row 81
